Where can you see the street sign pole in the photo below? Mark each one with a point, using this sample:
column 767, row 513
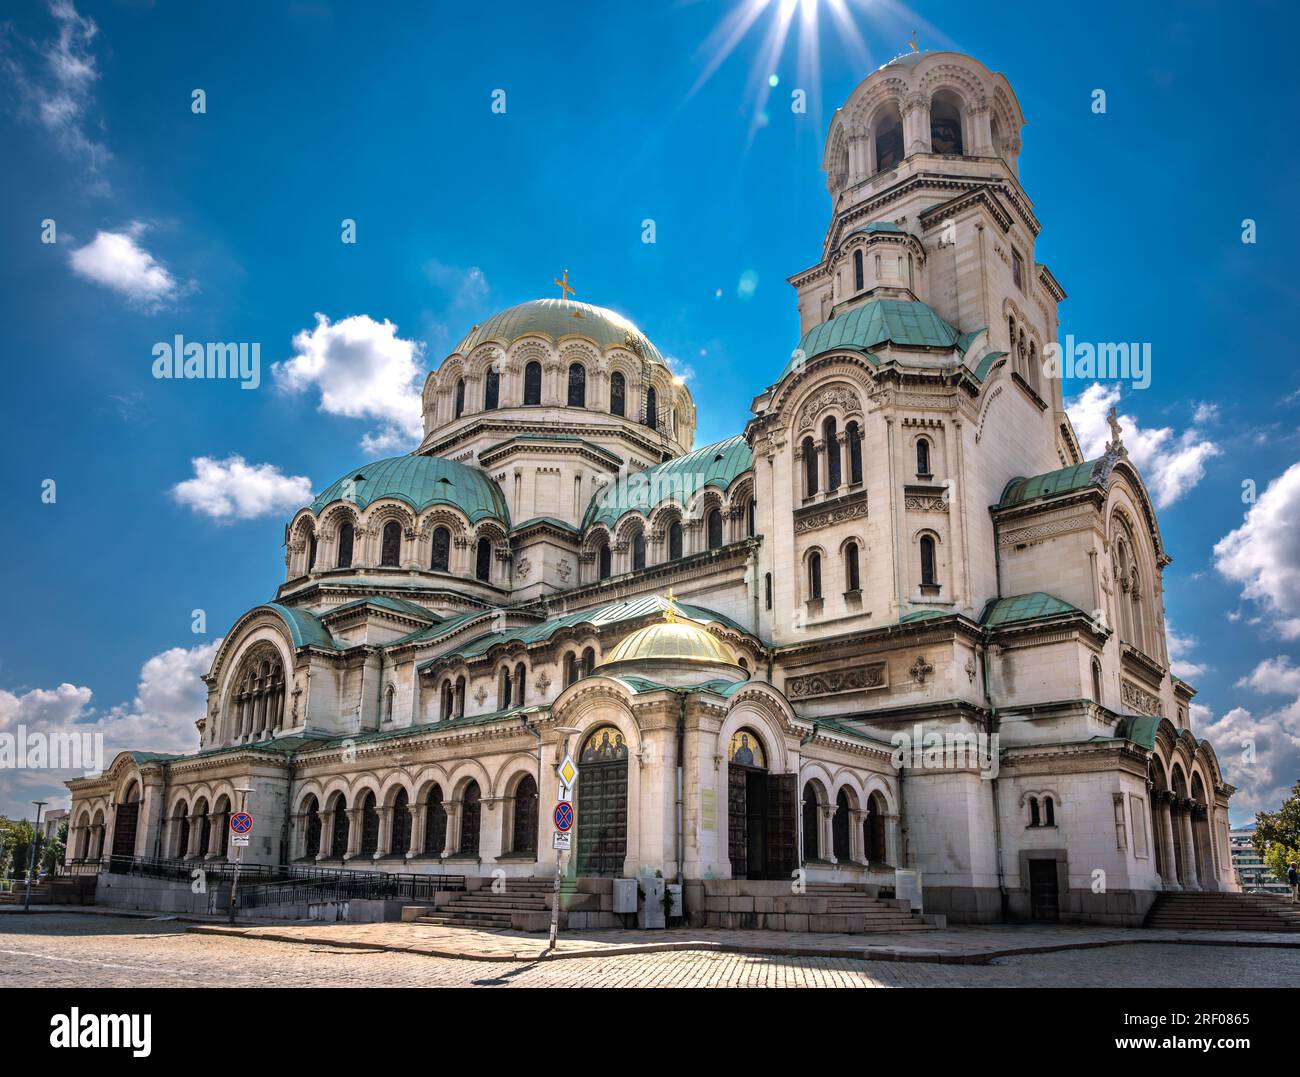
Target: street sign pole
column 567, row 774
column 239, row 850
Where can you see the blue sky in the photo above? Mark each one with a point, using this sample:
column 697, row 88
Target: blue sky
column 225, row 226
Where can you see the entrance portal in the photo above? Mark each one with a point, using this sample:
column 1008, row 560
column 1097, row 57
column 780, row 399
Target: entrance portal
column 602, row 803
column 760, row 812
column 1044, row 890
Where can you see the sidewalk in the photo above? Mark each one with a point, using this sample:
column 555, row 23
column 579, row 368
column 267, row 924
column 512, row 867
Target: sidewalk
column 956, row 945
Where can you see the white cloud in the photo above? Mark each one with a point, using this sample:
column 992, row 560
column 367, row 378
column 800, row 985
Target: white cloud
column 1273, row 675
column 1263, row 554
column 363, row 370
column 1260, row 755
column 55, row 82
column 117, row 261
column 233, row 489
column 170, row 697
column 467, row 288
column 1180, row 657
column 1171, row 464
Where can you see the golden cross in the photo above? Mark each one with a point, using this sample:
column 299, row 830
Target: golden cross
column 912, row 42
column 564, row 286
column 670, row 611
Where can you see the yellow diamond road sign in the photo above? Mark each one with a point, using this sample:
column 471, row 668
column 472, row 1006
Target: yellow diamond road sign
column 567, row 771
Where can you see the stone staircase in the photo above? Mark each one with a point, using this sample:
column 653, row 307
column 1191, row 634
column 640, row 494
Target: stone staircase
column 59, row 890
column 483, row 908
column 823, row 907
column 1209, row 911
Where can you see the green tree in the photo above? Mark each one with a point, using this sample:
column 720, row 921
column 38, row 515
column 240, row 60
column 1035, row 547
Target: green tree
column 1277, row 835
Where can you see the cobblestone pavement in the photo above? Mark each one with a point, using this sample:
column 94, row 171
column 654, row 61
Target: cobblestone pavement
column 80, row 950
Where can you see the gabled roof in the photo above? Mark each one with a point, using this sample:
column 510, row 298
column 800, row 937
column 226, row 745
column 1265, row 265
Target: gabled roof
column 397, row 605
column 719, row 464
column 907, row 322
column 1063, row 480
column 420, row 481
column 1016, row 609
column 305, row 628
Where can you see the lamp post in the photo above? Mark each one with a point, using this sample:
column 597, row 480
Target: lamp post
column 36, row 844
column 239, row 853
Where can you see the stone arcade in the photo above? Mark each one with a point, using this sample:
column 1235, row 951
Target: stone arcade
column 904, row 535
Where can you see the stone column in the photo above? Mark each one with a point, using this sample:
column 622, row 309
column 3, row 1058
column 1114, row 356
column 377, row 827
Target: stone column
column 354, row 832
column 857, row 846
column 385, row 833
column 196, row 836
column 823, row 466
column 417, row 829
column 1170, row 872
column 1190, row 880
column 828, row 832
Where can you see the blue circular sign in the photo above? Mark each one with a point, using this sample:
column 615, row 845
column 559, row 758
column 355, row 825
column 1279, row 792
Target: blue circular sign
column 563, row 816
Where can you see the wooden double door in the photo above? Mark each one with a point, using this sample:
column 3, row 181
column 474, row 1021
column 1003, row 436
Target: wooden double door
column 602, row 817
column 760, row 823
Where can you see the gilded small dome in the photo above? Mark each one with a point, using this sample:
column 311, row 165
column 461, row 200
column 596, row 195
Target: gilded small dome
column 557, row 320
column 674, row 640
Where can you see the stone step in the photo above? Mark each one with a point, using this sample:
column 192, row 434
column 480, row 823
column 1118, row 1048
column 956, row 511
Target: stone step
column 464, row 921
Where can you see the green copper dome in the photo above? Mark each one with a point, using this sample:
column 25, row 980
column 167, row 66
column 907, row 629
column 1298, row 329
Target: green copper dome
column 556, row 319
column 420, row 481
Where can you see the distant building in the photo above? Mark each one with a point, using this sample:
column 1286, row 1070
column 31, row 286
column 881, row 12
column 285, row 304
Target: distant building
column 51, row 822
column 1251, row 870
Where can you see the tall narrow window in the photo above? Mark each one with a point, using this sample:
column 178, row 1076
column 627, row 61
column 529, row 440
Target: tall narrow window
column 674, row 540
column 604, row 561
column 922, row 458
column 638, row 551
column 460, row 397
column 588, row 662
column 521, row 678
column 652, row 408
column 767, row 590
column 814, row 575
column 448, row 709
column 577, row 385
column 854, row 437
column 713, row 524
column 311, row 553
column 483, row 560
column 750, row 521
column 809, row 467
column 533, row 383
column 441, row 560
column 929, row 576
column 400, row 842
column 830, row 433
column 471, row 811
column 1049, row 812
column 889, row 143
column 491, row 389
column 570, row 668
column 391, row 547
column 460, row 697
column 1034, row 818
column 1096, row 681
column 503, row 688
column 345, row 546
column 945, row 124
column 617, row 394
column 1017, row 269
column 852, row 574
column 858, row 279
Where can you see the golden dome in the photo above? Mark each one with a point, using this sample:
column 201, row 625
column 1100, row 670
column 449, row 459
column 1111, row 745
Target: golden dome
column 671, row 640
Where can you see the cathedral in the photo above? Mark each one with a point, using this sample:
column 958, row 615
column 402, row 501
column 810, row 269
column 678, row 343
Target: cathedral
column 769, row 657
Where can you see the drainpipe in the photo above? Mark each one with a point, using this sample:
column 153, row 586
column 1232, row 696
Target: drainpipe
column 798, row 792
column 993, row 725
column 680, row 768
column 539, row 755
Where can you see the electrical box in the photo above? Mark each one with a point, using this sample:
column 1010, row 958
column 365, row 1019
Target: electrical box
column 907, row 887
column 624, row 895
column 675, row 900
column 651, row 913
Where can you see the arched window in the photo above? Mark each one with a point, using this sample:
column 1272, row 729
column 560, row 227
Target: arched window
column 652, row 408
column 311, row 553
column 491, row 389
column 570, row 668
column 345, row 546
column 471, row 808
column 852, row 573
column 945, row 124
column 483, row 560
column 390, row 695
column 435, row 823
column 1049, row 812
column 889, row 142
column 617, row 394
column 1096, row 681
column 840, row 826
column 811, row 824
column 858, row 278
column 503, row 688
column 604, row 560
column 751, row 522
column 369, row 826
column 1034, row 818
column 460, row 697
column 809, row 467
column 854, row 437
column 448, row 709
column 638, row 551
column 340, row 829
column 767, row 590
column 814, row 575
column 713, row 527
column 400, row 843
column 873, row 827
column 577, row 385
column 830, row 434
column 441, row 560
column 460, row 397
column 922, row 458
column 313, row 829
column 391, row 547
column 588, row 662
column 929, row 576
column 674, row 540
column 523, row 836
column 533, row 383
column 521, row 678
